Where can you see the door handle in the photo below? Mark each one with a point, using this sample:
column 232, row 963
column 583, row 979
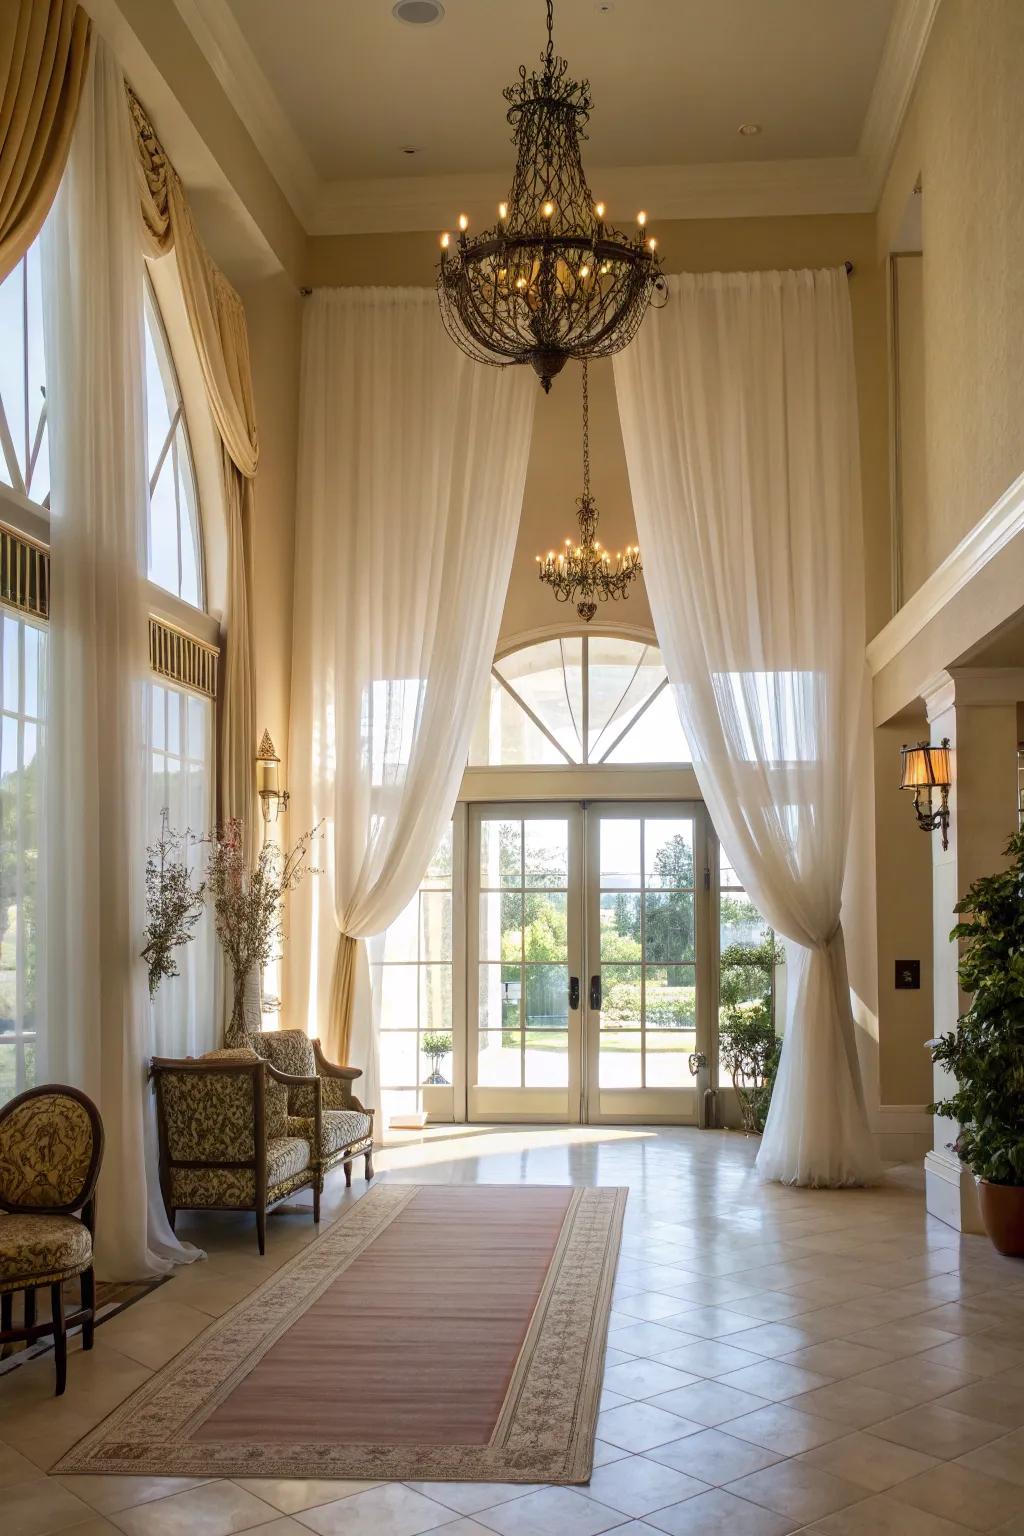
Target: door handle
column 595, row 991
column 574, row 991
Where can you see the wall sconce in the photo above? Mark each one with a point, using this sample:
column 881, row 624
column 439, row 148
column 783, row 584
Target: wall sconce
column 273, row 799
column 922, row 769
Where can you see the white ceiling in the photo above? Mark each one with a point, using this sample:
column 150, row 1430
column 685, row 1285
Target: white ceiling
column 333, row 92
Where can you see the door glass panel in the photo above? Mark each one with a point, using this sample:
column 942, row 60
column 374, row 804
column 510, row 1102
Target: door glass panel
column 648, row 952
column 620, row 854
column 499, row 1060
column 501, row 925
column 547, row 997
column 501, row 854
column 547, row 1058
column 546, row 852
column 545, row 936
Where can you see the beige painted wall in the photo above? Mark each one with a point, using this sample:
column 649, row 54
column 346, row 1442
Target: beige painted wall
column 553, row 480
column 963, row 135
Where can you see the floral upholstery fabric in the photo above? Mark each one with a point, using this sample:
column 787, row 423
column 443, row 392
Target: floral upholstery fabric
column 209, row 1116
column 289, row 1050
column 288, row 1161
column 275, row 1094
column 339, row 1129
column 337, row 1093
column 41, row 1249
column 46, row 1148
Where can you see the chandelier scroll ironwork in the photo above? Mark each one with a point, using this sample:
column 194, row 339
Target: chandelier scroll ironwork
column 583, row 572
column 553, row 279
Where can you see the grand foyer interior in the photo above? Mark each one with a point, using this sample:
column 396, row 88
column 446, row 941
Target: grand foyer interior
column 547, row 993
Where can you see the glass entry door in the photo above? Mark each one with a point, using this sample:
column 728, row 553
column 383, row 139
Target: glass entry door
column 648, row 946
column 589, row 955
column 525, row 963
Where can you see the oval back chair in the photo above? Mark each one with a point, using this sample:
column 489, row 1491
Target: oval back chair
column 51, row 1147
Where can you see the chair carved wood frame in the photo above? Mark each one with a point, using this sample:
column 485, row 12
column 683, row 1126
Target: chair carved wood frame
column 229, row 1158
column 80, row 1203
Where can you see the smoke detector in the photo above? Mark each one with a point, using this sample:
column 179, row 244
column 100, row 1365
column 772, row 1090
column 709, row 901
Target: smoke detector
column 418, row 13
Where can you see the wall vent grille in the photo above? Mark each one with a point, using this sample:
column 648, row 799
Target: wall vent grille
column 182, row 658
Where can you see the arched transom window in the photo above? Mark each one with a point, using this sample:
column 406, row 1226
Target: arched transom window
column 579, row 699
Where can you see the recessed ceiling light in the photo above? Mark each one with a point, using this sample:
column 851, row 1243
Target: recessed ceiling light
column 604, row 7
column 418, row 13
column 749, row 130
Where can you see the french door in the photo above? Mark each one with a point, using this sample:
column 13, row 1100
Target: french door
column 589, row 961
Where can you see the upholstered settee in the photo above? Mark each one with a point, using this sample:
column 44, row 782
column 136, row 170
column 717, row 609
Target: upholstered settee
column 346, row 1126
column 227, row 1140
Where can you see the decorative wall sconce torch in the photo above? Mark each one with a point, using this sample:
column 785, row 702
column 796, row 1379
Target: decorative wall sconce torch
column 273, row 799
column 924, row 768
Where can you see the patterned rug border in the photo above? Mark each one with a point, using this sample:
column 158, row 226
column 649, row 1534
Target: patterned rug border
column 544, row 1432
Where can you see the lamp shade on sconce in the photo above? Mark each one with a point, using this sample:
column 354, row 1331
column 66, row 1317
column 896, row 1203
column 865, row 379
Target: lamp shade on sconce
column 268, row 779
column 925, row 767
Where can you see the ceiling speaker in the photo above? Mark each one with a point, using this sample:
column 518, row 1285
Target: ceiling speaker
column 418, row 13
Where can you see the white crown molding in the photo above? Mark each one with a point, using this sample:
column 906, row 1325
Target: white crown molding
column 213, row 25
column 905, row 43
column 1003, row 522
column 726, row 190
column 720, row 190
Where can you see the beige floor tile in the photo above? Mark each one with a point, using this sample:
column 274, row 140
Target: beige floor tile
column 959, row 1493
column 837, row 1358
column 551, row 1512
column 107, row 1494
column 641, row 1378
column 389, row 1510
column 994, row 1398
column 798, row 1490
column 469, row 1498
column 978, row 1354
column 773, row 1339
column 647, row 1339
column 851, row 1403
column 916, row 1379
column 213, row 1509
column 16, row 1468
column 98, row 1525
column 872, row 1463
column 773, row 1380
column 708, row 1357
column 640, row 1426
column 649, row 1306
column 781, row 1428
column 292, row 1494
column 708, row 1402
column 714, row 1456
column 638, row 1485
column 937, row 1431
column 1003, row 1458
column 39, row 1507
column 771, row 1306
column 883, row 1516
column 719, row 1513
column 904, row 1338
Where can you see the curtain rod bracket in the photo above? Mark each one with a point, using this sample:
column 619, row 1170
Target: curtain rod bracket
column 848, row 268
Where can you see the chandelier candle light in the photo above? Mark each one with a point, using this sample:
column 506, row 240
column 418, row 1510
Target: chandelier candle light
column 584, row 572
column 553, row 279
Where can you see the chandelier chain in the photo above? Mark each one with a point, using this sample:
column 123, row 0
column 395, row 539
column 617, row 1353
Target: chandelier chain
column 586, row 433
column 550, row 51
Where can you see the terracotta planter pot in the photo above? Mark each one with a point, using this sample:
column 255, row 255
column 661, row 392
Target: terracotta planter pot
column 1002, row 1211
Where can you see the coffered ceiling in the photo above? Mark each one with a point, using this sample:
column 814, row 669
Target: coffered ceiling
column 369, row 123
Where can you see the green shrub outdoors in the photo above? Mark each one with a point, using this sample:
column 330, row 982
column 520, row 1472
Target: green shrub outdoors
column 748, row 1047
column 985, row 1052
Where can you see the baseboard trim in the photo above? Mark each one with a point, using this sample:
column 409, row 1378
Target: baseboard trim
column 951, row 1194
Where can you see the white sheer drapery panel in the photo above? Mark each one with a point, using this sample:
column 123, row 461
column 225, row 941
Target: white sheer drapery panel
column 412, row 462
column 739, row 416
column 97, row 1030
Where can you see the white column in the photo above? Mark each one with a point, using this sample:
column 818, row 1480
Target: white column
column 976, row 708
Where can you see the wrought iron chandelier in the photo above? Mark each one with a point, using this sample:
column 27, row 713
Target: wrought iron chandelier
column 552, row 279
column 585, row 573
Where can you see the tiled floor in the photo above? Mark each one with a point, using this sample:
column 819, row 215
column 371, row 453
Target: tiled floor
column 779, row 1361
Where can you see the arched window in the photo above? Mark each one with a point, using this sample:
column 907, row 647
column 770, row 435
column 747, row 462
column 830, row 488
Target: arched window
column 175, row 548
column 582, row 700
column 180, row 713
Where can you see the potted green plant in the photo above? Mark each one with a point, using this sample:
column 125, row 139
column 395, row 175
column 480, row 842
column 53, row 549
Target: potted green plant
column 437, row 1047
column 985, row 1052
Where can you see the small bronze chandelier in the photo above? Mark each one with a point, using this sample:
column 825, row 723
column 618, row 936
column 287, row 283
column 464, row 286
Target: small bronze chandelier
column 584, row 571
column 552, row 279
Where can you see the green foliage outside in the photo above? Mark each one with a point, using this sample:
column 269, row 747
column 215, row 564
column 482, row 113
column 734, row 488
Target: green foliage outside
column 748, row 1048
column 985, row 1053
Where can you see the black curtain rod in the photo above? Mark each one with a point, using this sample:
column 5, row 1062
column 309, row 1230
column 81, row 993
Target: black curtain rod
column 848, row 268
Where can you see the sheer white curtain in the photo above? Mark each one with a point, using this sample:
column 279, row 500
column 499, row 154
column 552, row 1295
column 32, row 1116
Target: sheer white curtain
column 412, row 462
column 97, row 1027
column 739, row 415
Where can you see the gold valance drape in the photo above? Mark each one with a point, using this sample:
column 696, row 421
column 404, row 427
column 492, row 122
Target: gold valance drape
column 44, row 54
column 217, row 320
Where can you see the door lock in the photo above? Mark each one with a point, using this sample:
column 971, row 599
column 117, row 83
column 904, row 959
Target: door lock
column 595, row 992
column 574, row 991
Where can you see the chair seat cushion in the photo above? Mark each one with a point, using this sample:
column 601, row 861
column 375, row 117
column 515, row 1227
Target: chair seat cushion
column 41, row 1249
column 286, row 1156
column 339, row 1128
